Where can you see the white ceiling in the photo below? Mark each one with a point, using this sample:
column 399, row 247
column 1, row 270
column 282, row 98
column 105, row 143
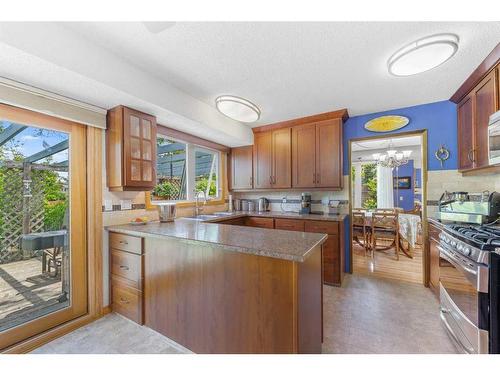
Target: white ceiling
column 292, row 69
column 378, row 144
column 288, row 69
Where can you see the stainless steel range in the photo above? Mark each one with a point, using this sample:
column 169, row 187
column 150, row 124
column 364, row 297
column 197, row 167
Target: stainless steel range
column 470, row 286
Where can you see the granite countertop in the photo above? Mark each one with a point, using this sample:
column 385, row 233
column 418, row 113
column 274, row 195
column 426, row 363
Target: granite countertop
column 293, row 246
column 282, row 215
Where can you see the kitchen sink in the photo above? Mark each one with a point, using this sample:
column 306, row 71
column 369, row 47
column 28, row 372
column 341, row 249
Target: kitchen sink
column 202, row 217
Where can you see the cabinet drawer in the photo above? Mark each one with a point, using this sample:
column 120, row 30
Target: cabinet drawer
column 289, row 224
column 128, row 266
column 322, row 227
column 126, row 243
column 126, row 301
column 260, row 222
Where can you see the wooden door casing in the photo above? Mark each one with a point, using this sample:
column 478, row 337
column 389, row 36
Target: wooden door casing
column 303, row 156
column 241, row 168
column 485, row 105
column 263, row 160
column 329, row 154
column 465, row 133
column 282, row 158
column 78, row 224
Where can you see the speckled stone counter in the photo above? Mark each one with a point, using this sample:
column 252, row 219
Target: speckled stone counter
column 293, row 246
column 283, row 215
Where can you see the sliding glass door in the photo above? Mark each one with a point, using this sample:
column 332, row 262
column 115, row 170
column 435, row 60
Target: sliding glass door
column 43, row 260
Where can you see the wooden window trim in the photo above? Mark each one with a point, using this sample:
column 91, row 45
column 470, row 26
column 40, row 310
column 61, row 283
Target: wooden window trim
column 188, row 138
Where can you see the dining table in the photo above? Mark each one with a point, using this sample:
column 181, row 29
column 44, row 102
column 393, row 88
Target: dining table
column 408, row 226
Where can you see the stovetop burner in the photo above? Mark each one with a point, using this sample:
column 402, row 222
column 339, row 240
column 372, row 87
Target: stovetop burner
column 486, row 238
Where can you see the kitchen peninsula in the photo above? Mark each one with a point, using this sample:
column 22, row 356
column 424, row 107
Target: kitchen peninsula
column 217, row 288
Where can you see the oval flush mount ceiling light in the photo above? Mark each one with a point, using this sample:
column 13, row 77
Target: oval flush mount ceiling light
column 423, row 54
column 237, row 108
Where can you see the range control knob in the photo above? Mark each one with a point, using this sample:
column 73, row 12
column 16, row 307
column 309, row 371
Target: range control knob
column 467, row 251
column 460, row 247
column 453, row 243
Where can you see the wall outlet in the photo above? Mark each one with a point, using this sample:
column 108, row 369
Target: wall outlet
column 126, row 204
column 283, row 200
column 108, row 205
column 401, row 198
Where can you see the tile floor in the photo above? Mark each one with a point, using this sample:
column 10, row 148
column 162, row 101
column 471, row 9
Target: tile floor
column 366, row 315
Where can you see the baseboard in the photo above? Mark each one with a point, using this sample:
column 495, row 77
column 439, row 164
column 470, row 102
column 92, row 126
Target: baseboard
column 106, row 310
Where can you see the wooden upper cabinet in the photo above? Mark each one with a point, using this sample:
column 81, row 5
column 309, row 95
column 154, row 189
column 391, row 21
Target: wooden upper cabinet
column 486, row 103
column 282, row 158
column 241, row 172
column 130, row 150
column 329, row 154
column 317, row 155
column 465, row 130
column 263, row 160
column 303, row 156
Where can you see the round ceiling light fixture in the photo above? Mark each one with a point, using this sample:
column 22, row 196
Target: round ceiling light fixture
column 422, row 55
column 237, row 108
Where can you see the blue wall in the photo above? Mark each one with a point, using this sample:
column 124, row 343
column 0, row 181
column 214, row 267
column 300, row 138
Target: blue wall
column 440, row 120
column 407, row 194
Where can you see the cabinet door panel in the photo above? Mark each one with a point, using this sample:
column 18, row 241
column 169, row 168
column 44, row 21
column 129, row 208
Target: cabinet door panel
column 262, row 160
column 485, row 106
column 241, row 168
column 304, row 156
column 329, row 154
column 282, row 158
column 465, row 126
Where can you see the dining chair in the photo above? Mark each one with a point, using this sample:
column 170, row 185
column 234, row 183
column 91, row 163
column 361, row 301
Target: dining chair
column 359, row 232
column 384, row 226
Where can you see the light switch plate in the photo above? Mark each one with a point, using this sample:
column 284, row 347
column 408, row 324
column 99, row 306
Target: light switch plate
column 126, row 204
column 108, row 205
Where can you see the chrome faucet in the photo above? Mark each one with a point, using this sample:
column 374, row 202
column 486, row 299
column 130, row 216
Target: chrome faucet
column 197, row 208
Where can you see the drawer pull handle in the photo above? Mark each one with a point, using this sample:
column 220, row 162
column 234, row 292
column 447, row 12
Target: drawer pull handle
column 124, row 242
column 124, row 268
column 125, row 301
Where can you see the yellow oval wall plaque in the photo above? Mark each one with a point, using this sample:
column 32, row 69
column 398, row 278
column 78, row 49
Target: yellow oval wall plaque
column 386, row 123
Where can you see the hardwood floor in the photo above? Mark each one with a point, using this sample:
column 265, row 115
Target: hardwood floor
column 385, row 265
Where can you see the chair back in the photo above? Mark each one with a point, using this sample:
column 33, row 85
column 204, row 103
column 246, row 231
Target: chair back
column 358, row 219
column 385, row 220
column 385, row 210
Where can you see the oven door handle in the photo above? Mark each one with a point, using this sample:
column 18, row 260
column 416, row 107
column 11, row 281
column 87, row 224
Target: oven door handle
column 442, row 314
column 453, row 260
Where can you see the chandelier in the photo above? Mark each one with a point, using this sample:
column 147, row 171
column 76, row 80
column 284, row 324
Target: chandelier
column 392, row 158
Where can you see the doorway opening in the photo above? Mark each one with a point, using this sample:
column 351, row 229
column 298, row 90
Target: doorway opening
column 387, row 194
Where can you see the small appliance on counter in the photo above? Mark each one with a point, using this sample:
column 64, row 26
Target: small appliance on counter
column 167, row 211
column 251, row 206
column 237, row 204
column 244, row 205
column 477, row 208
column 263, row 205
column 305, row 203
column 230, row 207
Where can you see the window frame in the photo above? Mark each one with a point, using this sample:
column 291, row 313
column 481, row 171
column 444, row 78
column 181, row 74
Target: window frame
column 191, row 149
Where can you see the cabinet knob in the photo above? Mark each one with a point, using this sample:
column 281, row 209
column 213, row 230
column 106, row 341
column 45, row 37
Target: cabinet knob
column 125, row 301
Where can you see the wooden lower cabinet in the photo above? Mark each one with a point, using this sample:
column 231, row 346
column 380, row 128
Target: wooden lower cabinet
column 333, row 254
column 333, row 248
column 214, row 301
column 259, row 222
column 127, row 275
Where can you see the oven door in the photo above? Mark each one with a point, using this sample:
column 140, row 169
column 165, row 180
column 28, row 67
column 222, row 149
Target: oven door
column 464, row 300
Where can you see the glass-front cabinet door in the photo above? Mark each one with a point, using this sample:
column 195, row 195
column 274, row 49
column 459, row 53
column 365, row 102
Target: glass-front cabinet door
column 43, row 261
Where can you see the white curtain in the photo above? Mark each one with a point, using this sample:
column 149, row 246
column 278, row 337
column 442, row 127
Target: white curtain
column 385, row 197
